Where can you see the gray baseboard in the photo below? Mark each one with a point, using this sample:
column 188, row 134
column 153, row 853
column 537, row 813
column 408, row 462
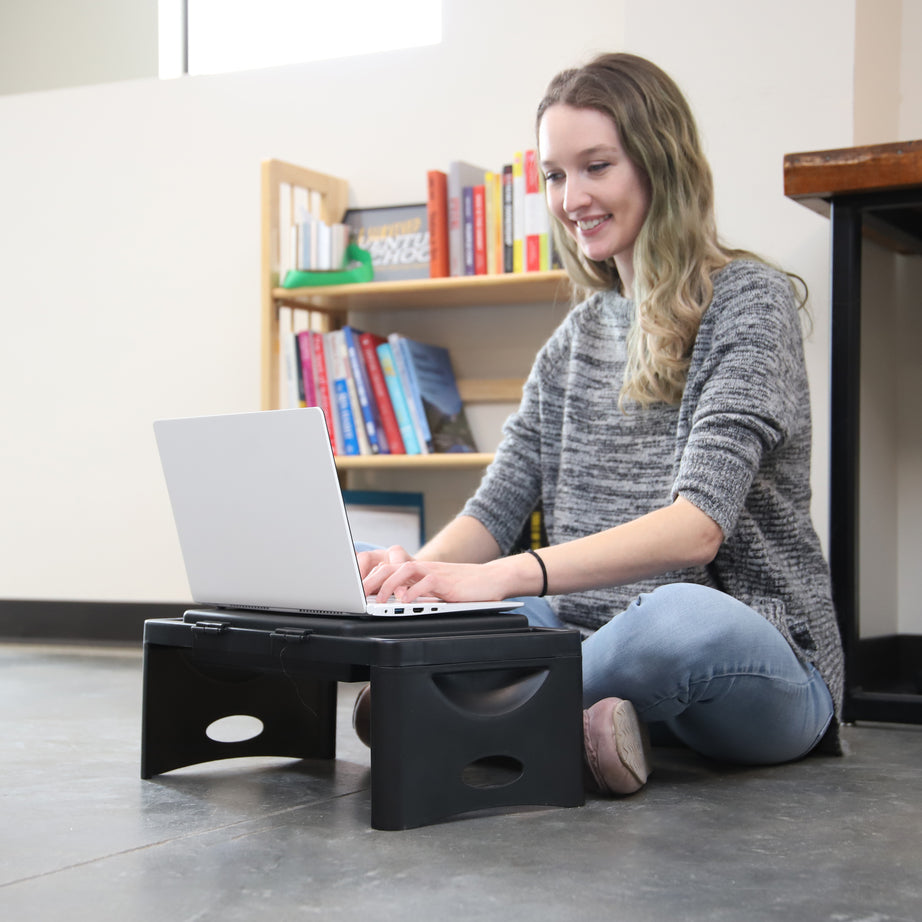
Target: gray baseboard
column 73, row 622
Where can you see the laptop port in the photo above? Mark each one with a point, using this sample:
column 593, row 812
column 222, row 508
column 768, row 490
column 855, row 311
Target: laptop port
column 398, row 611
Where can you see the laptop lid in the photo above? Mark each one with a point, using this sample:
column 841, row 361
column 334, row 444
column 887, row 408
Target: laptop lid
column 260, row 515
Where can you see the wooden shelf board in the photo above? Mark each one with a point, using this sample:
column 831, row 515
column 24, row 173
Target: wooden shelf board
column 460, row 461
column 518, row 288
column 490, row 390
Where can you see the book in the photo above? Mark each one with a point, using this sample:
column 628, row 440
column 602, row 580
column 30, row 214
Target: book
column 306, row 355
column 467, row 200
column 460, row 174
column 535, row 220
column 433, row 378
column 377, row 442
column 368, row 343
column 397, row 238
column 518, row 213
column 323, row 393
column 411, row 392
column 398, row 399
column 292, row 369
column 340, row 366
column 489, row 220
column 437, row 214
column 508, row 263
column 479, row 195
column 495, row 224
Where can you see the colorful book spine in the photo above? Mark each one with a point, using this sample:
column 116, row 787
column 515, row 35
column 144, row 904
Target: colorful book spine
column 495, row 223
column 508, row 263
column 411, row 392
column 518, row 213
column 467, row 201
column 460, row 174
column 322, row 389
column 479, row 219
column 373, row 432
column 398, row 400
column 350, row 440
column 490, row 221
column 437, row 212
column 534, row 207
column 292, row 369
column 369, row 343
column 306, row 355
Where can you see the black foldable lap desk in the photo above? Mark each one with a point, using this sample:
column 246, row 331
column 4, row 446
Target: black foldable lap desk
column 468, row 712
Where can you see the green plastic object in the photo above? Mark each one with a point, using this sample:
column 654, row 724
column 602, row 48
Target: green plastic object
column 363, row 272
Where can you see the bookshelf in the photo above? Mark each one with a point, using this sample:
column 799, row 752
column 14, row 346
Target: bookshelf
column 328, row 308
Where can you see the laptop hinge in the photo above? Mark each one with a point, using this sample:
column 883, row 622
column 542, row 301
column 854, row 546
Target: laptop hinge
column 209, row 627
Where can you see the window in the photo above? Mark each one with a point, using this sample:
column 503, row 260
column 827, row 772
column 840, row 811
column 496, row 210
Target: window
column 219, row 36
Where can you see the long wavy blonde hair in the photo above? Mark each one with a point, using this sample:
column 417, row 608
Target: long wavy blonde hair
column 677, row 250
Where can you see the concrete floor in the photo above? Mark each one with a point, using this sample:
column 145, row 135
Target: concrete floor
column 82, row 837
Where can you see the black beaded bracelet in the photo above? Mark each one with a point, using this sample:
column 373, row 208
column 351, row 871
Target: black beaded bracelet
column 534, row 554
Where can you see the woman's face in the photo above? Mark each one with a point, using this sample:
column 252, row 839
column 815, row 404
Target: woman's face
column 593, row 189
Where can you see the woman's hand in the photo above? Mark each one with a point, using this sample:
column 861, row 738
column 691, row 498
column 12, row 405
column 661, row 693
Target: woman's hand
column 412, row 579
column 368, row 560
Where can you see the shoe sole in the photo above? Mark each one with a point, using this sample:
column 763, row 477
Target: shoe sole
column 631, row 742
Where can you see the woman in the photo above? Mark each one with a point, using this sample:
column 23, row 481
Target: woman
column 665, row 428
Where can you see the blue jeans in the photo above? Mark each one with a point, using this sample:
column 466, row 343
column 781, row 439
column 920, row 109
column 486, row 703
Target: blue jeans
column 706, row 667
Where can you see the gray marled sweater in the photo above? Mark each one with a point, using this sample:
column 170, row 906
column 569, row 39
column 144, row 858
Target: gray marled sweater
column 738, row 447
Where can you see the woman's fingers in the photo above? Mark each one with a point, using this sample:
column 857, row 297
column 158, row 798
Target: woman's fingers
column 414, row 579
column 369, row 560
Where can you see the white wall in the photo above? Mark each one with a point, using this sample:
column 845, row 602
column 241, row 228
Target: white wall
column 47, row 44
column 130, row 242
column 130, row 232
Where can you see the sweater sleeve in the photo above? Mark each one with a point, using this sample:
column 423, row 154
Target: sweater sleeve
column 746, row 392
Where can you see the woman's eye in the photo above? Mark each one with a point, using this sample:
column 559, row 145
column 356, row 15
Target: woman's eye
column 597, row 167
column 552, row 176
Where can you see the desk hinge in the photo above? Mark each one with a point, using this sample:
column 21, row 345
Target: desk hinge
column 291, row 634
column 209, row 627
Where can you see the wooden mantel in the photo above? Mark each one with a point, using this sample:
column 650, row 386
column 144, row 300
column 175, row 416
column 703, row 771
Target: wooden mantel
column 890, row 171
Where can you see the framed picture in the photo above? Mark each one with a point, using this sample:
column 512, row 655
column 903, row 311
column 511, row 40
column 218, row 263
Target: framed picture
column 397, row 238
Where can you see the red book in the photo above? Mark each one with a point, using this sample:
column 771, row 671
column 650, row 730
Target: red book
column 306, row 355
column 322, row 387
column 480, row 230
column 532, row 213
column 437, row 211
column 369, row 343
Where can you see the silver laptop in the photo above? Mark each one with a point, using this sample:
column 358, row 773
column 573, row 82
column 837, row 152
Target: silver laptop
column 261, row 519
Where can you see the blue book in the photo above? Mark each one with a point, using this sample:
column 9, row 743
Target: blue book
column 467, row 204
column 346, row 422
column 375, row 432
column 398, row 400
column 411, row 391
column 434, row 379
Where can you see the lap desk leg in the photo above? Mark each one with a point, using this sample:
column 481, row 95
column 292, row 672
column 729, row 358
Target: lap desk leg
column 183, row 696
column 451, row 737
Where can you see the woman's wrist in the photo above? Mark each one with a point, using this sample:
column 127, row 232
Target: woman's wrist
column 519, row 575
